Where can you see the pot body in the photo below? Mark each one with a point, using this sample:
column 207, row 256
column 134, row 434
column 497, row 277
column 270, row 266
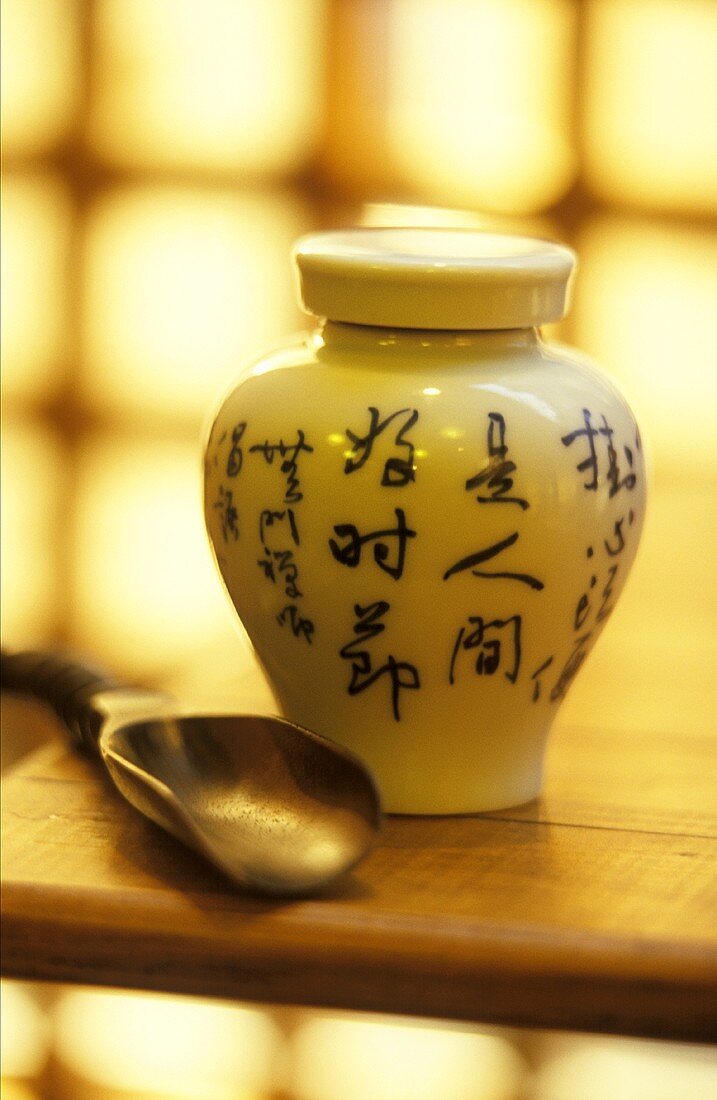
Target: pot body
column 424, row 534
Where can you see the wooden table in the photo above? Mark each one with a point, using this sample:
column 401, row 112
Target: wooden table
column 594, row 908
column 591, row 909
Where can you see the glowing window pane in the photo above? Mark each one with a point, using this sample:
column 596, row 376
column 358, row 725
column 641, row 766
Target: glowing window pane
column 645, row 308
column 593, row 1068
column 39, row 73
column 232, row 83
column 25, row 1033
column 182, row 286
column 652, row 103
column 393, row 1059
column 146, row 590
column 180, row 1048
column 31, row 488
column 36, row 220
column 478, row 100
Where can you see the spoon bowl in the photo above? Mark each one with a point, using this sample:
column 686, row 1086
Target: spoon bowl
column 274, row 806
column 277, row 808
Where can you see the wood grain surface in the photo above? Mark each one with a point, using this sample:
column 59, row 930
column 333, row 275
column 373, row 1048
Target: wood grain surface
column 593, row 908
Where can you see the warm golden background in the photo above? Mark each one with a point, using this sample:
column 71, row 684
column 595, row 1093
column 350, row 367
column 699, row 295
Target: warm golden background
column 160, row 156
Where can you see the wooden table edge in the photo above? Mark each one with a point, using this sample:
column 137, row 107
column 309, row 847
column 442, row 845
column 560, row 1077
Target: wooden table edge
column 261, row 953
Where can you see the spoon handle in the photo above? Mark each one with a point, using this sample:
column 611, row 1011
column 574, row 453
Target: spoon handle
column 63, row 683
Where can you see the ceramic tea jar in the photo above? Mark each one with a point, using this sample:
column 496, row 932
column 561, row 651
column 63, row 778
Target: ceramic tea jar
column 423, row 513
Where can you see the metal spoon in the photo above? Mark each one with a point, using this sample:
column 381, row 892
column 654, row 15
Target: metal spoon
column 277, row 808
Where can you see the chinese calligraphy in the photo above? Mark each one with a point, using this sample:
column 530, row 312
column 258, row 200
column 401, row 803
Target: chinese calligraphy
column 397, row 470
column 485, row 555
column 228, row 514
column 350, row 553
column 401, row 674
column 490, row 640
column 591, row 462
column 236, row 456
column 495, row 475
column 278, row 527
column 290, row 453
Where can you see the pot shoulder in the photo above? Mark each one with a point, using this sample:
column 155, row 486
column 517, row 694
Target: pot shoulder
column 543, row 396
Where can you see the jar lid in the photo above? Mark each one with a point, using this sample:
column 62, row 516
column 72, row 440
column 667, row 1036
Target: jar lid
column 433, row 278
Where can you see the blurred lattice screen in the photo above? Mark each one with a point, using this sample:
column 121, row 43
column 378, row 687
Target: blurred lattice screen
column 160, row 156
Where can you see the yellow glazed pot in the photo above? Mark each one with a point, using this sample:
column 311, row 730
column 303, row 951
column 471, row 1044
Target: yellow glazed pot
column 423, row 513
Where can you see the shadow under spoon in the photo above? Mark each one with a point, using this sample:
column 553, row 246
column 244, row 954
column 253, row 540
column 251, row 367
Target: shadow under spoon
column 279, row 809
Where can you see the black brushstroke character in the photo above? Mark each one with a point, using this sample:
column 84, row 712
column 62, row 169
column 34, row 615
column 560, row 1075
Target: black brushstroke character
column 495, row 475
column 228, row 514
column 402, row 674
column 591, row 462
column 618, row 545
column 489, row 639
column 282, row 562
column 397, row 470
column 493, row 551
column 535, row 677
column 269, row 518
column 613, row 470
column 299, row 626
column 606, row 608
column 350, row 553
column 290, row 453
column 571, row 667
column 236, row 456
column 615, row 482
